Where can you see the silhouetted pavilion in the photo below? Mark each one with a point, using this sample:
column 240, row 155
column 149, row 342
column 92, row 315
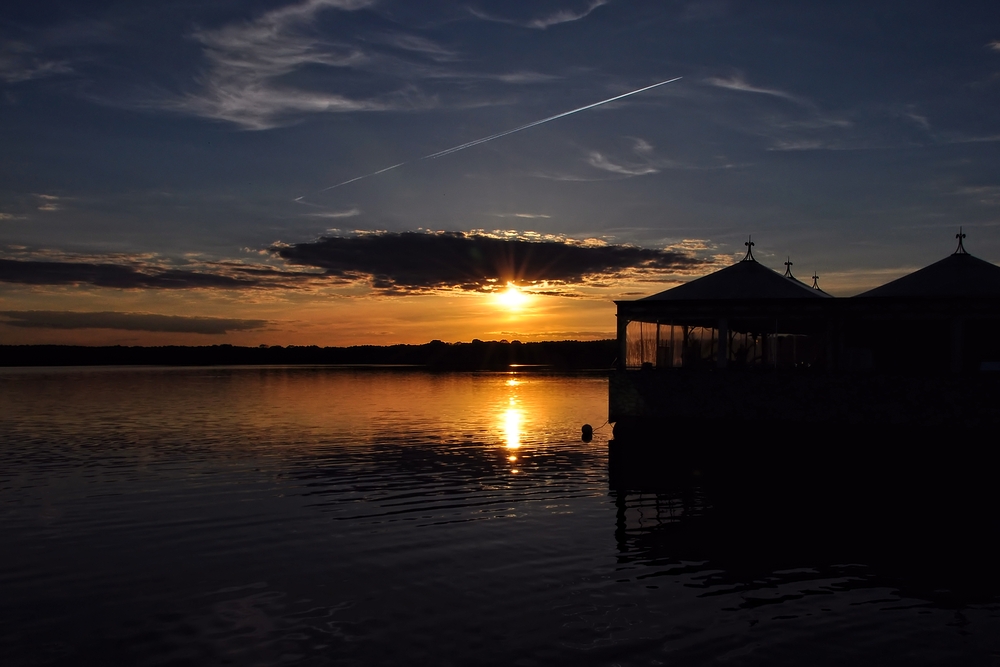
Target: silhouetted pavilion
column 743, row 315
column 746, row 342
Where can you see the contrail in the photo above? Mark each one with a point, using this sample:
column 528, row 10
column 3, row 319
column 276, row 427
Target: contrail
column 470, row 144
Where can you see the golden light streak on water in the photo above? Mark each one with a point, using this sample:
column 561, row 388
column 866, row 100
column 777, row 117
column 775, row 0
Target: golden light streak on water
column 512, row 418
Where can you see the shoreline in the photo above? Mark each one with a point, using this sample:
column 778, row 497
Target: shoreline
column 434, row 356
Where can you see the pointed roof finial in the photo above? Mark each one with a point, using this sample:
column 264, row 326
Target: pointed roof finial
column 749, row 244
column 815, row 281
column 960, row 250
column 788, row 267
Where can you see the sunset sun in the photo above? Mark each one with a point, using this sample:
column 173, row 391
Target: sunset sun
column 512, row 298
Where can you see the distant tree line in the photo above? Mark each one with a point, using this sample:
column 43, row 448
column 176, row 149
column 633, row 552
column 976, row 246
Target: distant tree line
column 435, row 355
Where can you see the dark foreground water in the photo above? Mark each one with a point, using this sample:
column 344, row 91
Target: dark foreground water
column 259, row 516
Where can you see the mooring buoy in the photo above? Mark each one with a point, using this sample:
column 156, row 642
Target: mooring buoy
column 588, row 433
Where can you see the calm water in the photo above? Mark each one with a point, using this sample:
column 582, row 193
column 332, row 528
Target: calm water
column 315, row 516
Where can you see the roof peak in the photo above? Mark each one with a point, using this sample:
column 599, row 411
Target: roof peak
column 960, row 250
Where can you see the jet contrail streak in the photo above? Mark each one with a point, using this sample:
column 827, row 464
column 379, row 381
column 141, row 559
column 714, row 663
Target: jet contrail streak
column 462, row 147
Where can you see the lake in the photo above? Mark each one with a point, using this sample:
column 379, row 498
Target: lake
column 325, row 516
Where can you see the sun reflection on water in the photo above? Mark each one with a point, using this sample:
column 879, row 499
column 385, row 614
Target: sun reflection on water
column 512, row 427
column 512, row 417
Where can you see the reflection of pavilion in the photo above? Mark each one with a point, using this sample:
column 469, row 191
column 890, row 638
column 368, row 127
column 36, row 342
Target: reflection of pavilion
column 763, row 539
column 747, row 342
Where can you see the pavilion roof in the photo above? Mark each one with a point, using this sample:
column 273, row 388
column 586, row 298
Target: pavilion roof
column 747, row 279
column 958, row 275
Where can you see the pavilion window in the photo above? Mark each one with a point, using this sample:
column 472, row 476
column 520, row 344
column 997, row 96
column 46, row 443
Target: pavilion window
column 746, row 349
column 640, row 344
column 700, row 345
column 668, row 346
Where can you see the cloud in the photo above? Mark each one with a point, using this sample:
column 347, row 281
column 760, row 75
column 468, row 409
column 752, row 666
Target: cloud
column 246, row 60
column 48, row 203
column 568, row 178
column 521, row 215
column 984, row 194
column 422, row 261
column 350, row 213
column 799, row 145
column 647, row 162
column 543, row 22
column 284, row 64
column 64, row 319
column 994, row 45
column 920, row 120
column 739, row 83
column 138, row 275
column 525, row 77
column 599, row 161
column 417, row 44
column 972, row 140
column 642, row 146
column 18, row 63
column 390, row 263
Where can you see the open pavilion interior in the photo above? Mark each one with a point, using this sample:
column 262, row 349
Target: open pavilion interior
column 942, row 318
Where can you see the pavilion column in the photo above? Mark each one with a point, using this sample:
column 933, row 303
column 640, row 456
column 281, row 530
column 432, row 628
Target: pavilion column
column 722, row 358
column 622, row 342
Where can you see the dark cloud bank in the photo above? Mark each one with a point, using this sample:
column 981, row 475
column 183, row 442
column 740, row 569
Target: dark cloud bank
column 414, row 261
column 122, row 276
column 391, row 262
column 62, row 319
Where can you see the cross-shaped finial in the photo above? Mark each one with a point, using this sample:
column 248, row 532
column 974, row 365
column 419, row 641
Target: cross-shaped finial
column 815, row 281
column 788, row 267
column 749, row 244
column 960, row 250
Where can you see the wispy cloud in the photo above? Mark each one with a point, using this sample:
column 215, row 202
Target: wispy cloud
column 65, row 319
column 246, row 61
column 986, row 138
column 543, row 22
column 988, row 195
column 994, row 45
column 48, row 203
column 525, row 77
column 643, row 162
column 642, row 146
column 740, row 84
column 566, row 177
column 19, row 62
column 600, row 161
column 521, row 215
column 261, row 73
column 416, row 44
column 350, row 213
column 799, row 145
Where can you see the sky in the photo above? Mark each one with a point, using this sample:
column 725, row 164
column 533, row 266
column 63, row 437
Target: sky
column 184, row 172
